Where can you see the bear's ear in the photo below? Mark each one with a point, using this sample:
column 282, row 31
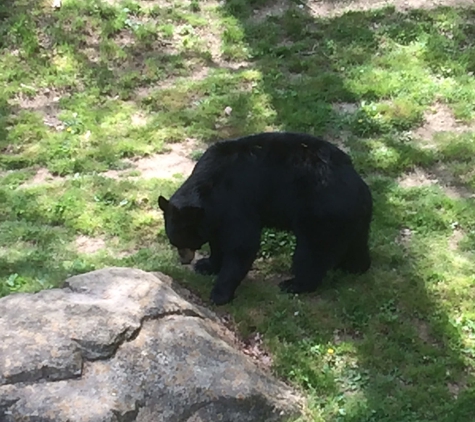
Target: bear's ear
column 194, row 214
column 163, row 203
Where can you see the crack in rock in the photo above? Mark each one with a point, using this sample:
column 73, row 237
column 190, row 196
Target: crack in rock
column 108, row 351
column 241, row 406
column 47, row 371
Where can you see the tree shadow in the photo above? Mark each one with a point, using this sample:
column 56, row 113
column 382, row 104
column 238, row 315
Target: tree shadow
column 411, row 362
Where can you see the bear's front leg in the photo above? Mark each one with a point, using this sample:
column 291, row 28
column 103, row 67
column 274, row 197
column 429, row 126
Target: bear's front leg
column 232, row 273
column 212, row 264
column 239, row 251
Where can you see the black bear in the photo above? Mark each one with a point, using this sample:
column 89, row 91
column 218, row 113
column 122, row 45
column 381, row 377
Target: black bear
column 287, row 181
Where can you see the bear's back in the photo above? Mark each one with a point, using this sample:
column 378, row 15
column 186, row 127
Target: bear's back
column 278, row 175
column 283, row 149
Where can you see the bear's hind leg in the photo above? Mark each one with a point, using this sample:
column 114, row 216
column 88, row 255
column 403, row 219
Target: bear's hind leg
column 357, row 259
column 314, row 256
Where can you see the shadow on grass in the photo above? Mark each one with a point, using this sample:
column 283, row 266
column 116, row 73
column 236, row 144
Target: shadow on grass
column 410, row 363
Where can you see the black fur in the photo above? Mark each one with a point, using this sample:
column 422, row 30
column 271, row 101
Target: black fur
column 286, row 181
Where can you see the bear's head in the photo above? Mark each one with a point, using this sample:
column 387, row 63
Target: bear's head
column 184, row 227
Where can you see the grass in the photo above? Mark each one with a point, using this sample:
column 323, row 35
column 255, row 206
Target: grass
column 95, row 85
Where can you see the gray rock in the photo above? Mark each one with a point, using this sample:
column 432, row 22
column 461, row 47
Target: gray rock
column 121, row 345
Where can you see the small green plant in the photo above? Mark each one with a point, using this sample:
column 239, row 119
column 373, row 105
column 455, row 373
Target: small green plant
column 276, row 243
column 74, row 124
column 195, row 6
column 196, row 154
column 14, row 282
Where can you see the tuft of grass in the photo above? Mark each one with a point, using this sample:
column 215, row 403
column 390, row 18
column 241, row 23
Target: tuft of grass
column 96, row 85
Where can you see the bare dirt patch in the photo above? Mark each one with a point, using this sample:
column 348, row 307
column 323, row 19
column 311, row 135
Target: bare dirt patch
column 417, row 178
column 345, row 108
column 41, row 177
column 164, row 166
column 44, row 101
column 330, row 8
column 199, row 74
column 161, row 166
column 439, row 119
column 89, row 245
column 455, row 239
column 438, row 175
column 139, row 119
column 451, row 185
column 277, row 8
